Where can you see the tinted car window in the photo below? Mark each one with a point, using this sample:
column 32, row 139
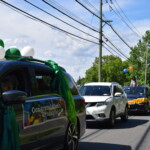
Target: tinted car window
column 95, row 90
column 18, row 79
column 136, row 91
column 72, row 85
column 44, row 82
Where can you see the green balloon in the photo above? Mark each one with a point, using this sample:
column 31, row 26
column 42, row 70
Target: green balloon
column 1, row 43
column 12, row 53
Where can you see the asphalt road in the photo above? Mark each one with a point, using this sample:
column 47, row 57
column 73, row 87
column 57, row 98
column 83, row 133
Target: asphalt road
column 131, row 135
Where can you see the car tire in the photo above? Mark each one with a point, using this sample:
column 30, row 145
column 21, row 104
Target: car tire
column 72, row 137
column 111, row 121
column 146, row 111
column 125, row 115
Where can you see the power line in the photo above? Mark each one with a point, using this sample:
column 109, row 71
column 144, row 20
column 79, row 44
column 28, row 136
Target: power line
column 89, row 10
column 119, row 35
column 69, row 16
column 108, row 50
column 44, row 22
column 87, row 1
column 122, row 18
column 60, row 19
column 115, row 47
column 127, row 18
column 116, row 51
column 106, row 23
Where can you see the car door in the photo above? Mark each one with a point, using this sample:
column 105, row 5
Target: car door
column 122, row 99
column 19, row 75
column 45, row 109
column 116, row 99
column 119, row 100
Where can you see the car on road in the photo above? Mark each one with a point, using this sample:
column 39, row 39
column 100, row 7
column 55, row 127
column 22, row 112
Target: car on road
column 138, row 98
column 40, row 110
column 105, row 101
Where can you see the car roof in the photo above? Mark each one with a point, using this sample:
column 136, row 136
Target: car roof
column 100, row 83
column 18, row 63
column 26, row 61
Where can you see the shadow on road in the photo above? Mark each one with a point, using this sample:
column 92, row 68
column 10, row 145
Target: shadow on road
column 102, row 146
column 131, row 123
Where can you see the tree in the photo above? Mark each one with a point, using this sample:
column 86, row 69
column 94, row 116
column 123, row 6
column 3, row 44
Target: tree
column 112, row 70
column 138, row 56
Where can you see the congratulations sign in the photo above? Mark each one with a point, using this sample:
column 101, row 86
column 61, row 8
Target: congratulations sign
column 40, row 111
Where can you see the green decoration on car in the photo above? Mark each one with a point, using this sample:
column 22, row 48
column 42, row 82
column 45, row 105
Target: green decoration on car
column 10, row 129
column 64, row 90
column 1, row 43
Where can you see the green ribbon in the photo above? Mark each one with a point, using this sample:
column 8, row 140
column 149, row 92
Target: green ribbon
column 9, row 133
column 61, row 82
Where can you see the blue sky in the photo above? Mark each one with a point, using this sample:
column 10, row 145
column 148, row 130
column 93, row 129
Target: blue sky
column 75, row 55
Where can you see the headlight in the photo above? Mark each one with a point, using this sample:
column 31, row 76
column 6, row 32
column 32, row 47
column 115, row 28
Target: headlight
column 101, row 103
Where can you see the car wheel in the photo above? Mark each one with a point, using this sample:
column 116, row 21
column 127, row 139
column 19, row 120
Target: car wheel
column 72, row 137
column 146, row 111
column 125, row 115
column 111, row 122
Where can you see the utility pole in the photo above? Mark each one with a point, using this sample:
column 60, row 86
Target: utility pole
column 100, row 45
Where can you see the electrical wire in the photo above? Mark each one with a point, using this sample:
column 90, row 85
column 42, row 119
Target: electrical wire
column 127, row 17
column 121, row 55
column 106, row 23
column 87, row 1
column 122, row 18
column 115, row 47
column 42, row 21
column 69, row 16
column 108, row 50
column 60, row 19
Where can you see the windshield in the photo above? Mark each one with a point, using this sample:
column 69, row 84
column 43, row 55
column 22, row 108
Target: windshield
column 135, row 91
column 95, row 91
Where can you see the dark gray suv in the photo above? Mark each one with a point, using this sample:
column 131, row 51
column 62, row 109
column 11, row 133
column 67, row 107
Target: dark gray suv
column 42, row 115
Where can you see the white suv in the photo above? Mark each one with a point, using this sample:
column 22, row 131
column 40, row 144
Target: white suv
column 105, row 101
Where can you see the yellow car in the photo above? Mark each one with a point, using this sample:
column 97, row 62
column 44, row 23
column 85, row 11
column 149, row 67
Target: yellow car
column 138, row 98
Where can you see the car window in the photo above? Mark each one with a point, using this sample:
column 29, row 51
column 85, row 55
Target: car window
column 95, row 90
column 72, row 85
column 43, row 80
column 117, row 89
column 18, row 79
column 135, row 90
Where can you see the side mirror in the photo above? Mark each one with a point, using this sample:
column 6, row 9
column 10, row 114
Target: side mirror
column 118, row 94
column 14, row 97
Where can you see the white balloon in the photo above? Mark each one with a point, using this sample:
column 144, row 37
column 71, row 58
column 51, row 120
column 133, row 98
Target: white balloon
column 2, row 52
column 27, row 51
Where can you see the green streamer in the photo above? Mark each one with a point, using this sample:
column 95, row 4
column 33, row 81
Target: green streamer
column 62, row 82
column 10, row 131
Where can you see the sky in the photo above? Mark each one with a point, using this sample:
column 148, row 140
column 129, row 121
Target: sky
column 75, row 55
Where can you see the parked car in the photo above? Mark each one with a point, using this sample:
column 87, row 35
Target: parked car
column 138, row 98
column 105, row 101
column 42, row 115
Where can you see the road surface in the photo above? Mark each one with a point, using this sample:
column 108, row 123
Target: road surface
column 131, row 135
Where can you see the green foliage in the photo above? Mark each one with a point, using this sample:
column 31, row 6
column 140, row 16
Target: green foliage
column 112, row 71
column 138, row 57
column 112, row 67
